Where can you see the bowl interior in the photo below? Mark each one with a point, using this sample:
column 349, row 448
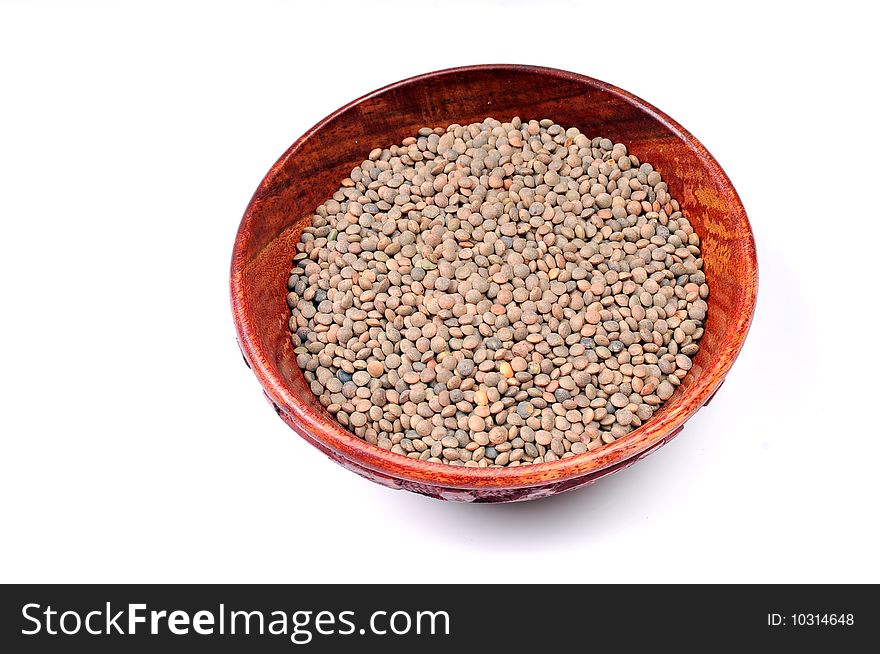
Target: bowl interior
column 311, row 170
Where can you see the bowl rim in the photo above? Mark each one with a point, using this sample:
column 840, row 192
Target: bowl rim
column 331, row 435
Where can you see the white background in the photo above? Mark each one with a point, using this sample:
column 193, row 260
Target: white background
column 136, row 446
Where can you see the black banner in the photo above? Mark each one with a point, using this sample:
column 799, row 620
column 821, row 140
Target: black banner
column 429, row 618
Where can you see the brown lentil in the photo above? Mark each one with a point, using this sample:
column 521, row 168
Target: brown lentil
column 497, row 294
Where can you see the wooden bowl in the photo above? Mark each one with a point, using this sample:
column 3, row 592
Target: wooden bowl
column 311, row 171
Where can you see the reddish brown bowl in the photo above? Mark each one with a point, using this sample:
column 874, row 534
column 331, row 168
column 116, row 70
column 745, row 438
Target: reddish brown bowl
column 311, row 171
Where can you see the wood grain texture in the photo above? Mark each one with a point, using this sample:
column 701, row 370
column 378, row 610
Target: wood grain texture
column 311, row 170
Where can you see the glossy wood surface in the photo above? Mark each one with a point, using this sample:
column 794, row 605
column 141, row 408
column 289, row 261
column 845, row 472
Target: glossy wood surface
column 312, row 169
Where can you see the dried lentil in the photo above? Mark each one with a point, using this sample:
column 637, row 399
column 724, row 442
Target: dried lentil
column 497, row 294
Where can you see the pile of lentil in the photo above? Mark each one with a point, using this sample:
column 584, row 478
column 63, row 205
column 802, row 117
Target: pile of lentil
column 497, row 294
